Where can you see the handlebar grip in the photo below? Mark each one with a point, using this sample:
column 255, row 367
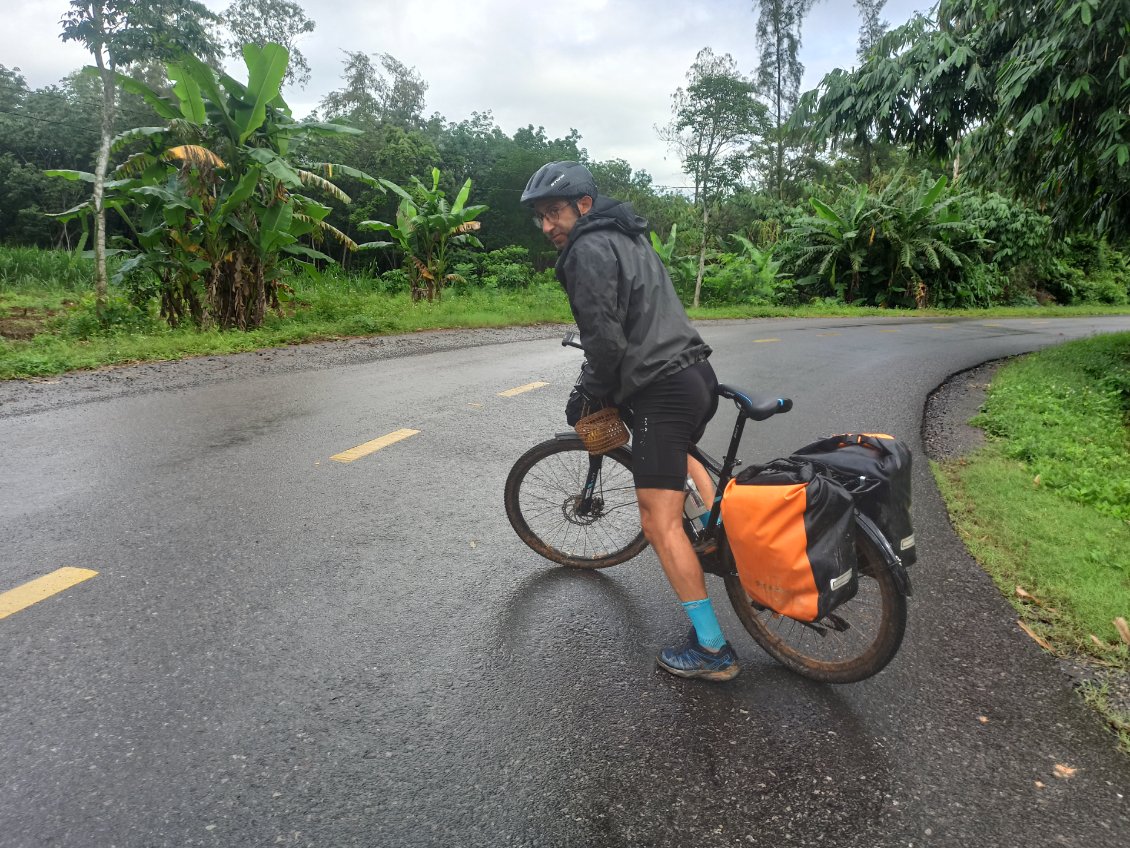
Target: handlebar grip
column 571, row 340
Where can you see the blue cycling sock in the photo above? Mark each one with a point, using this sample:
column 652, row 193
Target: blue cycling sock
column 705, row 624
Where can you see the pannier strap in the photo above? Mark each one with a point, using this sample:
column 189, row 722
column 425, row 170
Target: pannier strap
column 755, row 406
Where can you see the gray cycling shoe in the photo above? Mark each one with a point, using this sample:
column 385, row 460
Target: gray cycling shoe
column 693, row 660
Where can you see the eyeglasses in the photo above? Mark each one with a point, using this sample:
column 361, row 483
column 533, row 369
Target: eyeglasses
column 552, row 214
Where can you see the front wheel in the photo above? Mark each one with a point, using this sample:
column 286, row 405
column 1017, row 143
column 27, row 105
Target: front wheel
column 853, row 642
column 545, row 505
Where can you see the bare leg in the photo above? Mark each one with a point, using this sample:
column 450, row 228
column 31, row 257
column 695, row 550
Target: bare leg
column 661, row 514
column 702, row 479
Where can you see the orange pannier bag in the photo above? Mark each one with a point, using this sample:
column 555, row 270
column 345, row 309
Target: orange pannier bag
column 792, row 533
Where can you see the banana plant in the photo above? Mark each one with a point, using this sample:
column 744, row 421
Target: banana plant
column 836, row 239
column 221, row 212
column 925, row 234
column 426, row 227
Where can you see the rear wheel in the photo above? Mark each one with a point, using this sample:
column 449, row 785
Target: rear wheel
column 544, row 504
column 853, row 642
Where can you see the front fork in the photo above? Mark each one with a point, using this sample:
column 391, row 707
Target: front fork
column 585, row 504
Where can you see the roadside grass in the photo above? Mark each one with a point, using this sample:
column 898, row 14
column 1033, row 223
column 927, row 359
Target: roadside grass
column 48, row 324
column 74, row 341
column 1045, row 505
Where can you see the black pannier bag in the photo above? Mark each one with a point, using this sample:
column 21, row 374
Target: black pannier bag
column 876, row 468
column 792, row 533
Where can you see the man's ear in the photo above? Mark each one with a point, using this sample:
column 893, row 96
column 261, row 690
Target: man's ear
column 584, row 205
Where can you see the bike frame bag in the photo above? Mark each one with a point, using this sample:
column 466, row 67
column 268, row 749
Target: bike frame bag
column 875, row 468
column 792, row 533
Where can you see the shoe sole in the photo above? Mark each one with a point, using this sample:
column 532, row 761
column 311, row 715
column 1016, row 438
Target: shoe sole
column 724, row 674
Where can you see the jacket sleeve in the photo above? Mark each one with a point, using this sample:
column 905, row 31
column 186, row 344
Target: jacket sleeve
column 592, row 281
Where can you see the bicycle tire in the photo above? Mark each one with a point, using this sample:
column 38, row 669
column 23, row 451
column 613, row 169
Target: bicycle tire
column 542, row 490
column 857, row 640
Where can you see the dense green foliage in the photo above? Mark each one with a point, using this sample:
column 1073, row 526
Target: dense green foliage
column 212, row 203
column 1030, row 98
column 874, row 223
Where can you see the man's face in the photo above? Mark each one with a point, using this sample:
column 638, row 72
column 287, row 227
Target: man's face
column 558, row 217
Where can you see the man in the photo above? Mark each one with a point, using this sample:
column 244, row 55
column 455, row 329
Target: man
column 642, row 355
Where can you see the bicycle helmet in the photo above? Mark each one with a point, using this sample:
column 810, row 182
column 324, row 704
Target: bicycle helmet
column 567, row 180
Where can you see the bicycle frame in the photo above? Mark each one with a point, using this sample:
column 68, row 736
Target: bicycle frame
column 757, row 407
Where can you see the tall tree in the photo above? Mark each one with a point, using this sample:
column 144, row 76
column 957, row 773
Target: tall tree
column 871, row 26
column 118, row 33
column 1030, row 97
column 714, row 121
column 779, row 71
column 262, row 22
column 393, row 93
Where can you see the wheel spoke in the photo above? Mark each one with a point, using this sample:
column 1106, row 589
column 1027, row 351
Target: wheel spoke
column 543, row 494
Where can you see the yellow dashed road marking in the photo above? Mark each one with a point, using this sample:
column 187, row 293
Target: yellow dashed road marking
column 40, row 588
column 888, row 330
column 529, row 387
column 763, row 341
column 373, row 446
column 827, row 334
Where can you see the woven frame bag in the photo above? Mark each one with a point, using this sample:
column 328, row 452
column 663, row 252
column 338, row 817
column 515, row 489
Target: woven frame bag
column 602, row 431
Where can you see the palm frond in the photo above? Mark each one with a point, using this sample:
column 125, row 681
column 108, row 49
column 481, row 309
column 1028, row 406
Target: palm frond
column 193, row 154
column 425, row 272
column 311, row 179
column 122, row 139
column 134, row 166
column 325, row 228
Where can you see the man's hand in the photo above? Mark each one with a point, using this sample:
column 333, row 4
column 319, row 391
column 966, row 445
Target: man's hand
column 580, row 405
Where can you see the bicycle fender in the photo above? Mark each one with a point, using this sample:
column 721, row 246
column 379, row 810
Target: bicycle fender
column 894, row 564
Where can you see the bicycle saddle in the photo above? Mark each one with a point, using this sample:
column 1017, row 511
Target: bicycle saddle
column 755, row 406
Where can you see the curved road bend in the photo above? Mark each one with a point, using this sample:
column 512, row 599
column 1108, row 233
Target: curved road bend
column 283, row 648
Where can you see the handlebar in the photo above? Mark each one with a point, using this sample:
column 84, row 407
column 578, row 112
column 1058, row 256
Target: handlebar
column 571, row 339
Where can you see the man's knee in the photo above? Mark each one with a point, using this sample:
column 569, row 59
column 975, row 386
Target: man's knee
column 660, row 514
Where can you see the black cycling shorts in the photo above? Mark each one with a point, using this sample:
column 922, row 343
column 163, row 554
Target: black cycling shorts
column 667, row 417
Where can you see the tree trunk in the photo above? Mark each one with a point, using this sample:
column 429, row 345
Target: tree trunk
column 701, row 253
column 109, row 90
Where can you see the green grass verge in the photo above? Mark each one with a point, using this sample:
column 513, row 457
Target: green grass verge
column 73, row 340
column 1045, row 506
column 48, row 325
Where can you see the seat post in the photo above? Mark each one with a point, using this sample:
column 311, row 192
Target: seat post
column 727, row 470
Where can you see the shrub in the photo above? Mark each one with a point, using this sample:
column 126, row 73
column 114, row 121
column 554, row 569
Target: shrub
column 505, row 268
column 747, row 275
column 119, row 317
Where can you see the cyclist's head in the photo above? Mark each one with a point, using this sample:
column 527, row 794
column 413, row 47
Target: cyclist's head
column 559, row 193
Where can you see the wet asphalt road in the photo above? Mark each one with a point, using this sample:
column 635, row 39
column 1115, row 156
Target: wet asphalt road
column 283, row 649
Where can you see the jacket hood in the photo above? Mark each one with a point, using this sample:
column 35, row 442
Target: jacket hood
column 606, row 213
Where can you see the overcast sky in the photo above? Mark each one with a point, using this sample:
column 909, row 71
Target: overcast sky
column 605, row 67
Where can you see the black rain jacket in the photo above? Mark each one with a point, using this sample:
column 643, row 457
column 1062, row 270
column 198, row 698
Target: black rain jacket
column 633, row 325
